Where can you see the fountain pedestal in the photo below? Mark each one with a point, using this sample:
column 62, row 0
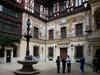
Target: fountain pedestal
column 27, row 68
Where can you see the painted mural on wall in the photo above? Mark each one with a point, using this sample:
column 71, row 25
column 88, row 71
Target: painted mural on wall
column 72, row 19
column 69, row 22
column 38, row 24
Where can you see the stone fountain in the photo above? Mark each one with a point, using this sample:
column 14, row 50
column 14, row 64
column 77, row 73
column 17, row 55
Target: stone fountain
column 27, row 68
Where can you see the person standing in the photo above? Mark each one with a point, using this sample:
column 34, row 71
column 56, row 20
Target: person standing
column 82, row 61
column 94, row 63
column 63, row 65
column 58, row 64
column 34, row 58
column 30, row 57
column 68, row 60
column 98, row 64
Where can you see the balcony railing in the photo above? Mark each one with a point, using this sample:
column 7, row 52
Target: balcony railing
column 93, row 34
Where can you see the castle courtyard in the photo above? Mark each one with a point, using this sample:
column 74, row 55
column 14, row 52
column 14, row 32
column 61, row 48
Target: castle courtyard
column 46, row 68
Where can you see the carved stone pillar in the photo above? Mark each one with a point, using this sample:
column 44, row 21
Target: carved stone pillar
column 93, row 24
column 92, row 50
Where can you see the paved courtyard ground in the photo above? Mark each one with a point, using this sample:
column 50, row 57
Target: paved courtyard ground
column 46, row 68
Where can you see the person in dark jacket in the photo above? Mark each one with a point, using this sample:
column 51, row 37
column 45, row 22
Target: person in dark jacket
column 58, row 64
column 63, row 65
column 30, row 57
column 82, row 61
column 98, row 64
column 94, row 62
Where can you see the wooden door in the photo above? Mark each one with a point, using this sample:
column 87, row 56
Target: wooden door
column 63, row 53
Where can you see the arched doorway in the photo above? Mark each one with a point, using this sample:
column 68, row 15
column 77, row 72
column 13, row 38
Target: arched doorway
column 98, row 52
column 97, row 18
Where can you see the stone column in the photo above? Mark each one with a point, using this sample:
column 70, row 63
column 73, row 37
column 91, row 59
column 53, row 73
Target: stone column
column 93, row 23
column 92, row 50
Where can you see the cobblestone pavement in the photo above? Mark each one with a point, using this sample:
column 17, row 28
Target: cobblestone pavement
column 46, row 68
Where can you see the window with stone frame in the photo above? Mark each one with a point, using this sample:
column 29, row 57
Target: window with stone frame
column 2, row 52
column 79, row 52
column 14, row 52
column 78, row 3
column 63, row 32
column 36, row 51
column 50, row 52
column 37, row 7
column 98, row 24
column 35, row 32
column 50, row 34
column 62, row 6
column 79, row 30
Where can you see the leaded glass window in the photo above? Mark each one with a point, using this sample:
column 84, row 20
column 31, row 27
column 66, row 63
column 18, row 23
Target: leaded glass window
column 4, row 27
column 50, row 52
column 78, row 3
column 0, row 26
column 8, row 28
column 79, row 52
column 36, row 51
column 37, row 7
column 79, row 30
column 63, row 6
column 35, row 32
column 50, row 34
column 1, row 8
column 63, row 32
column 16, row 30
column 16, row 15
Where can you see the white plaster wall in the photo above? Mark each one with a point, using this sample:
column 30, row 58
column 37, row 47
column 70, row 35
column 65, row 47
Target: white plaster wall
column 31, row 45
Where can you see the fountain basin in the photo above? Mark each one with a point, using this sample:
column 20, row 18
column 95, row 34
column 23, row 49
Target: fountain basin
column 27, row 62
column 27, row 68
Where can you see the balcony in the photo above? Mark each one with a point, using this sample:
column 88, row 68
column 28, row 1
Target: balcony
column 93, row 34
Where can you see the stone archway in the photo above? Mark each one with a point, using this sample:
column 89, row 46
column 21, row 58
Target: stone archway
column 98, row 52
column 97, row 13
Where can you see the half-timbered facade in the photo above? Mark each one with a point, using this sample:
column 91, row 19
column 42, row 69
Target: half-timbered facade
column 10, row 29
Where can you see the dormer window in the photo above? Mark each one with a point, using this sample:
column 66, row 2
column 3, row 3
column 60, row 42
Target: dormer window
column 1, row 8
column 51, row 11
column 37, row 7
column 63, row 6
column 78, row 3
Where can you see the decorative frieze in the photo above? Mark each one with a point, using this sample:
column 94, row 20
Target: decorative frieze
column 62, row 45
